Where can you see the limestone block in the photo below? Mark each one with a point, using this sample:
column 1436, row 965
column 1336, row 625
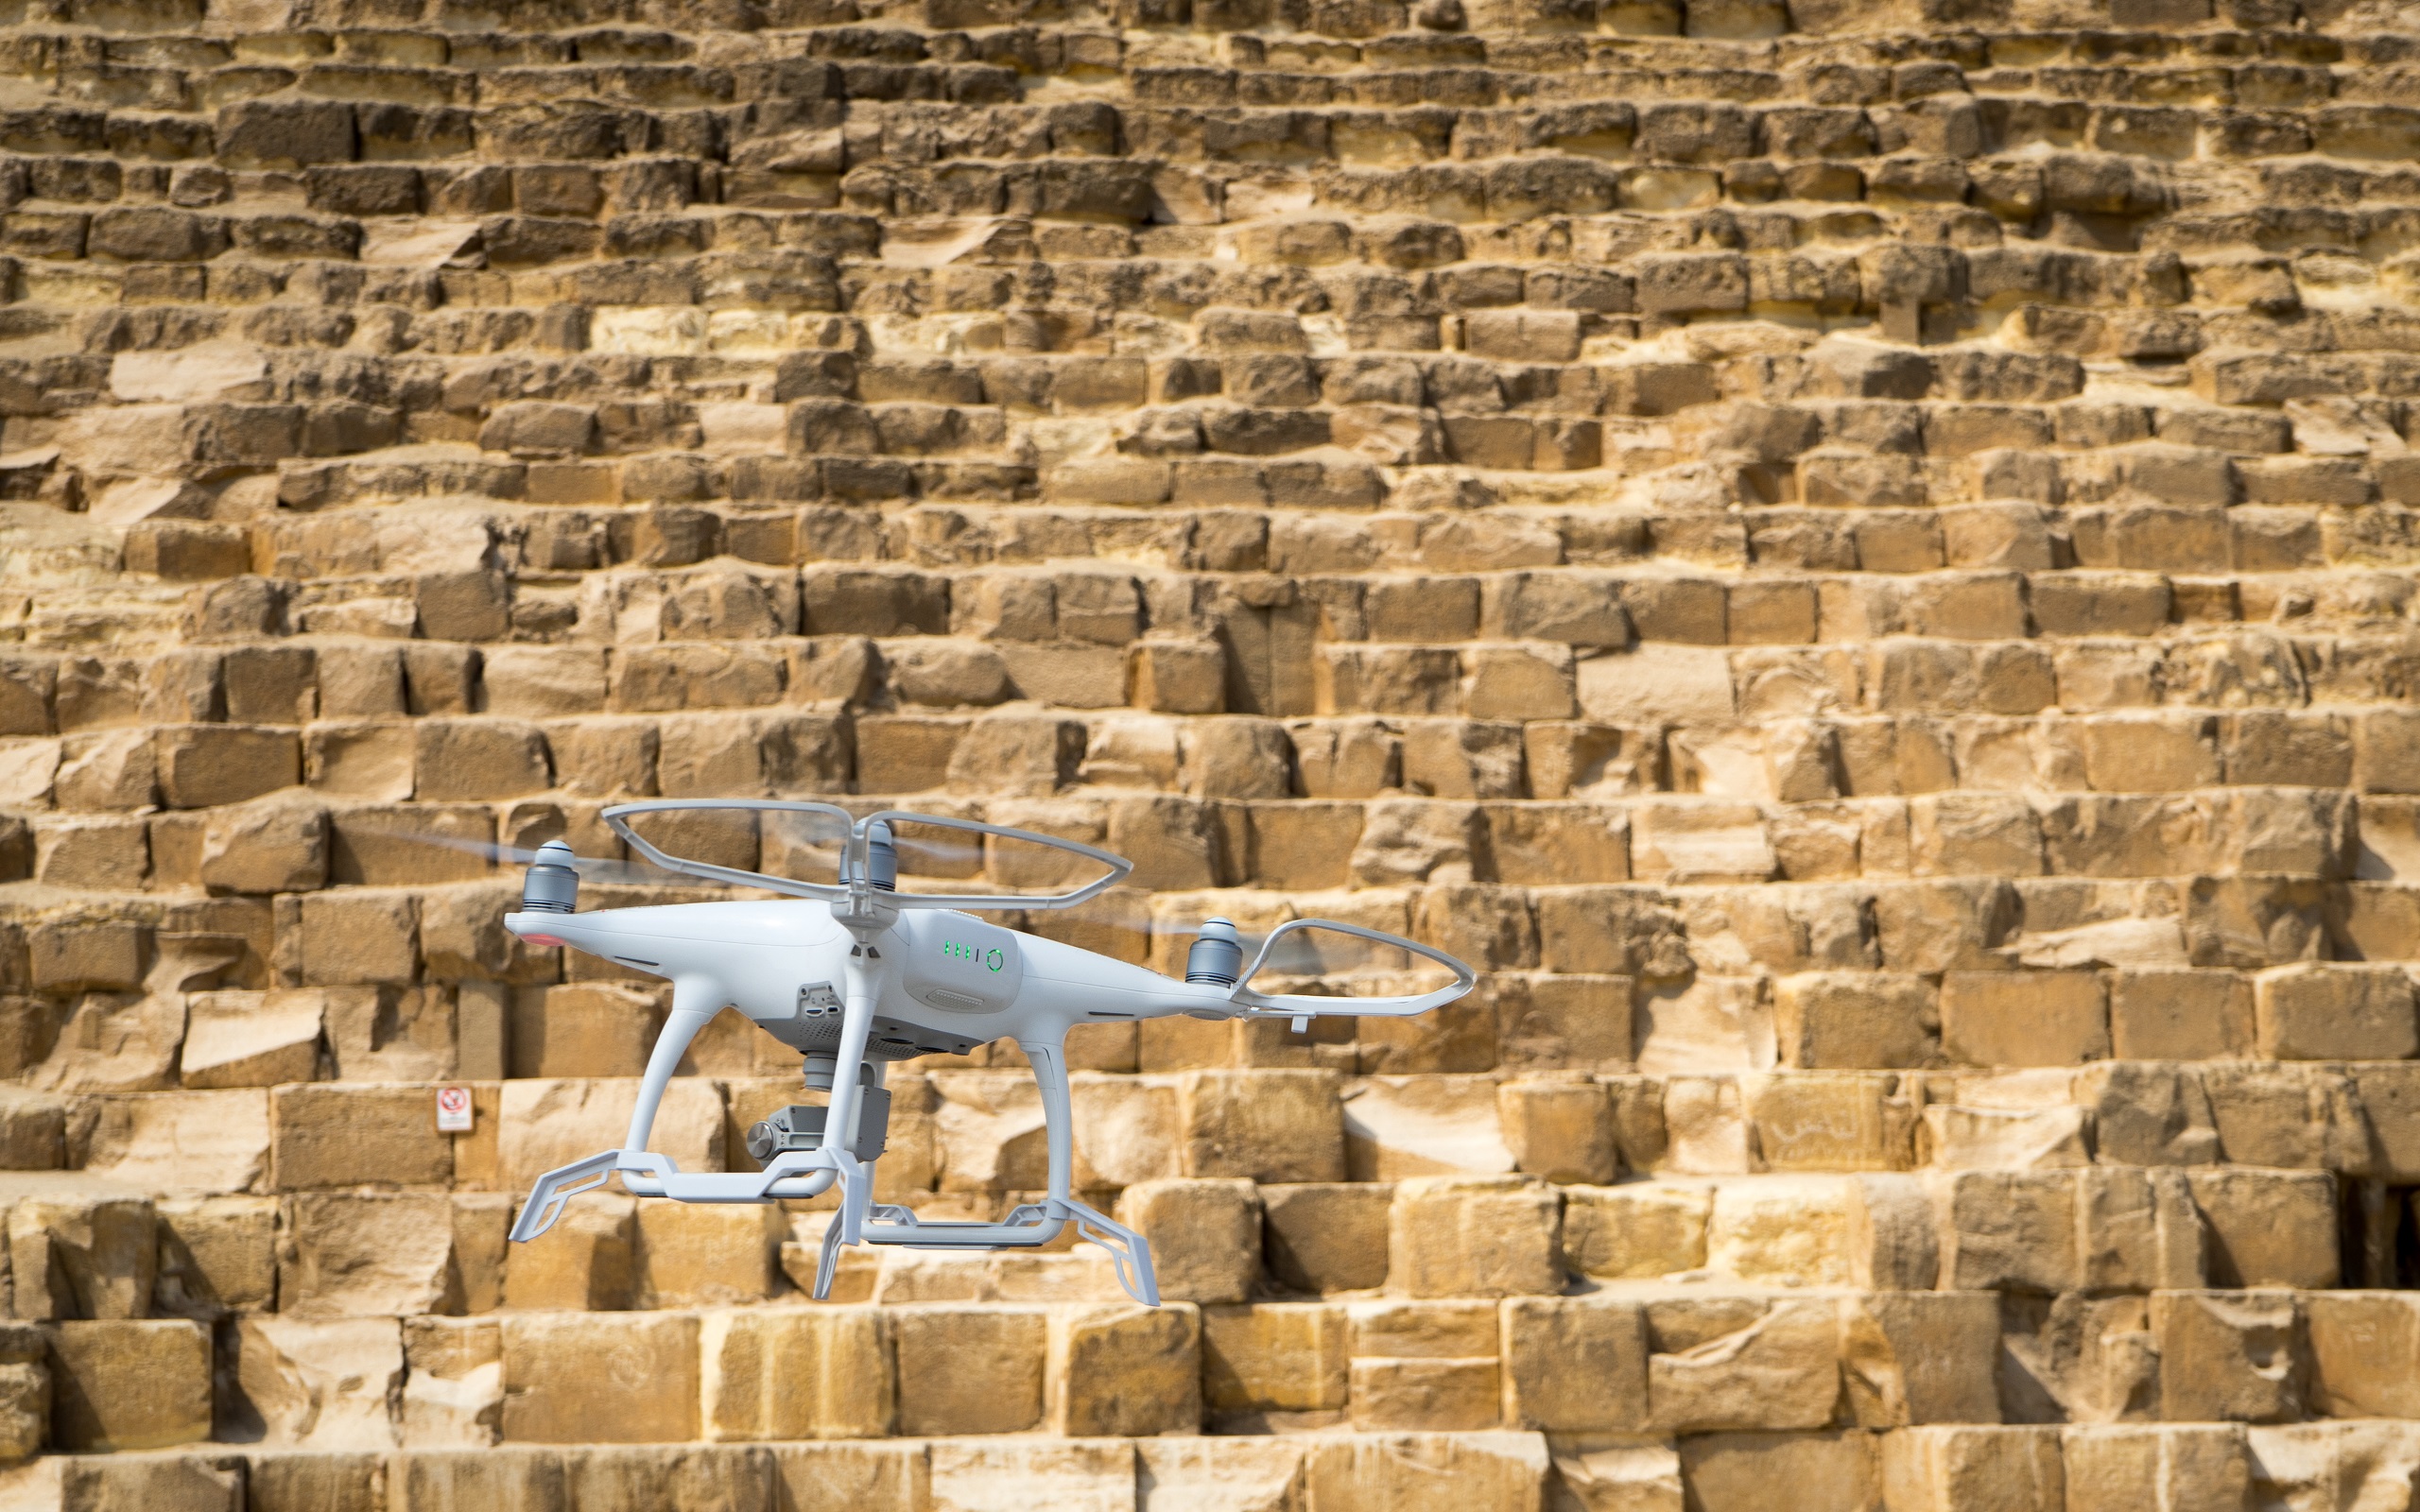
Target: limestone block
column 544, row 1124
column 205, row 766
column 1974, row 1469
column 601, row 1377
column 2336, row 1013
column 217, row 1255
column 1747, row 1472
column 708, row 1255
column 25, row 1391
column 1220, row 1474
column 1275, row 1357
column 1204, row 1235
column 969, row 1369
column 263, row 848
column 629, row 1478
column 1603, row 1474
column 1424, row 1365
column 589, row 1259
column 1561, row 1130
column 2008, row 1230
column 127, row 1384
column 113, row 1043
column 2268, row 1227
column 1831, row 1121
column 1854, row 1020
column 1704, row 1127
column 32, row 1128
column 988, row 1133
column 2180, row 1015
column 2229, row 1356
column 820, row 1373
column 1741, row 1362
column 453, row 1392
column 2024, row 1019
column 363, row 1254
column 324, row 1385
column 340, row 1136
column 249, row 1038
column 1126, row 1131
column 1473, row 1236
column 2288, row 1115
column 1426, row 1394
column 2361, row 1353
column 1638, row 1231
column 1576, row 1021
column 81, row 1258
column 1398, row 1126
column 2138, row 1230
column 844, row 1477
column 1093, row 1475
column 106, row 956
column 1264, row 1126
column 352, row 937
column 512, row 1475
column 180, row 1141
column 1418, row 1473
column 2348, row 1465
column 1118, row 1369
column 2147, row 1115
column 2389, row 1098
column 1574, row 1364
column 2003, row 1139
column 1785, row 1230
column 1921, row 1357
column 2120, row 1468
column 1708, row 1023
column 1326, row 1236
column 187, row 1482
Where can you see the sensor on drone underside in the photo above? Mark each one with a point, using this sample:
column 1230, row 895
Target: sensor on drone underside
column 855, row 974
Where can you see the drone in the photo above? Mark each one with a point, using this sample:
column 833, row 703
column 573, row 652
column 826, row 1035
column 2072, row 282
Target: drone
column 855, row 974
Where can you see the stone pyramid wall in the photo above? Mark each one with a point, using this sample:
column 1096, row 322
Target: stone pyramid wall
column 1855, row 557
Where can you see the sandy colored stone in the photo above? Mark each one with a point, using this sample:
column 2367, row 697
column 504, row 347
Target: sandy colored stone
column 322, row 1385
column 821, row 1373
column 969, row 1371
column 1455, row 1236
column 81, row 1258
column 1273, row 1357
column 128, row 1384
column 1205, row 1236
column 601, row 1377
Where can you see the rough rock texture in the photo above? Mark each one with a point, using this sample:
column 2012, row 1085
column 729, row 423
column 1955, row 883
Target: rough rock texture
column 1857, row 559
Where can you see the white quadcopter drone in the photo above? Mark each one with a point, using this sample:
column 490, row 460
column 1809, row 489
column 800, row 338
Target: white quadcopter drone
column 854, row 974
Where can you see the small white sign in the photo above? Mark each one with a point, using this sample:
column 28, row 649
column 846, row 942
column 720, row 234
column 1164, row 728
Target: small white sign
column 452, row 1109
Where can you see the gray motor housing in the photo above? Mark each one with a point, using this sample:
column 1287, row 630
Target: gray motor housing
column 800, row 1126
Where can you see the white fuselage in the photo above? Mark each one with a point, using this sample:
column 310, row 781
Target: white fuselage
column 944, row 981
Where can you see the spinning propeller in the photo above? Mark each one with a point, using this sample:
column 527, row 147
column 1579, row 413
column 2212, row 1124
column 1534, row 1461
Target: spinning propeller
column 854, row 972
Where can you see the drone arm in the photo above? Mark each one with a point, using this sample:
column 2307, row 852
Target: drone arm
column 1049, row 1060
column 695, row 1001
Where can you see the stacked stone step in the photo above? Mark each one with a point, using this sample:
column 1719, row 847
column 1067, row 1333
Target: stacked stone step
column 1856, row 560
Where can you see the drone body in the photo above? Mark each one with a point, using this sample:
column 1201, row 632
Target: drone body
column 854, row 974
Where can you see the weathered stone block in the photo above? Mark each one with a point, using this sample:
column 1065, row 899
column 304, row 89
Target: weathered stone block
column 1463, row 1236
column 128, row 1384
column 824, row 1373
column 604, row 1378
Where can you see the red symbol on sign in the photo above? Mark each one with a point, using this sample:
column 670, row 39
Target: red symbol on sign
column 454, row 1109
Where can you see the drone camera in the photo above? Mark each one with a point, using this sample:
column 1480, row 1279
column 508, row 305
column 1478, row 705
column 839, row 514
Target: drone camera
column 1217, row 957
column 800, row 1126
column 552, row 886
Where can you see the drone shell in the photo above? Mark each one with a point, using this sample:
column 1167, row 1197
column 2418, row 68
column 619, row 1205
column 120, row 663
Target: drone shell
column 960, row 980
